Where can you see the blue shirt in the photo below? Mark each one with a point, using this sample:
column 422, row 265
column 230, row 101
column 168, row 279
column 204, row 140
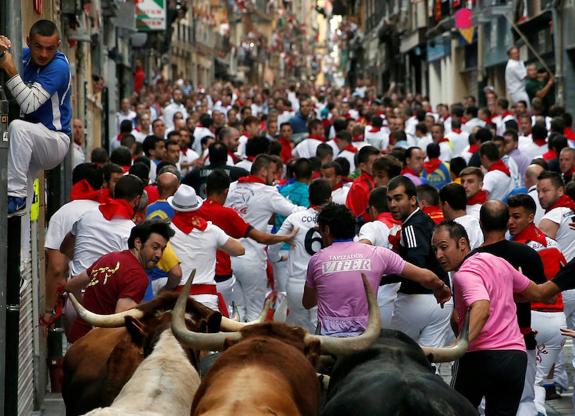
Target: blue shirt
column 160, row 210
column 298, row 123
column 55, row 78
column 298, row 194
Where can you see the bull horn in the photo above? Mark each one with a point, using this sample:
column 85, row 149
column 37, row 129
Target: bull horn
column 280, row 315
column 115, row 320
column 452, row 353
column 349, row 345
column 230, row 325
column 209, row 342
column 235, row 313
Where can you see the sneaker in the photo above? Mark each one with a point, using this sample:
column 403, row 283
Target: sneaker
column 16, row 206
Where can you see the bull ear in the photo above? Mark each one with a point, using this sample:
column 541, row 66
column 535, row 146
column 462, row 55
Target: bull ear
column 136, row 329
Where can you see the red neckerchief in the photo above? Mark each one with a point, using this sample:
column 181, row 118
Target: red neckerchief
column 431, row 166
column 479, row 198
column 473, row 148
column 531, row 233
column 569, row 133
column 444, row 140
column 563, row 202
column 339, row 185
column 251, row 179
column 249, row 136
column 347, row 116
column 435, row 213
column 316, row 137
column 285, row 153
column 500, row 166
column 125, row 168
column 540, row 142
column 120, row 137
column 350, row 148
column 407, row 170
column 357, row 138
column 456, row 131
column 83, row 190
column 187, row 221
column 117, row 209
column 505, row 114
column 387, row 219
column 233, row 156
column 549, row 155
column 374, row 129
column 184, row 151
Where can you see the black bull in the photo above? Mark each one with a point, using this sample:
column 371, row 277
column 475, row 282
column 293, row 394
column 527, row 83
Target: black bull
column 392, row 377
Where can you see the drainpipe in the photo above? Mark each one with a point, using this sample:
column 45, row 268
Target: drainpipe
column 559, row 52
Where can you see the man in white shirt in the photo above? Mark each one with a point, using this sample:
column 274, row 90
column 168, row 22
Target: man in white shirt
column 472, row 182
column 453, row 204
column 473, row 120
column 497, row 182
column 376, row 135
column 538, row 145
column 201, row 131
column 525, row 126
column 333, row 174
column 78, row 155
column 125, row 113
column 503, row 116
column 347, row 150
column 378, row 233
column 143, row 129
column 256, row 199
column 445, row 146
column 459, row 139
column 531, row 175
column 308, row 146
column 515, row 73
column 104, row 229
column 305, row 244
column 195, row 242
column 175, row 106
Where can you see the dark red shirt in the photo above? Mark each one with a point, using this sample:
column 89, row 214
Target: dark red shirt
column 232, row 224
column 112, row 277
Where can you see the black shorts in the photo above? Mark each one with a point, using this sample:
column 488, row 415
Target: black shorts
column 497, row 375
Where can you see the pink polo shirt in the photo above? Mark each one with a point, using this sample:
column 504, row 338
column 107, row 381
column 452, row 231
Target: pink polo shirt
column 335, row 273
column 484, row 276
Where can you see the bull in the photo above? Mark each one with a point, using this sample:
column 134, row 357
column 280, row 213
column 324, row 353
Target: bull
column 394, row 377
column 163, row 384
column 267, row 368
column 98, row 365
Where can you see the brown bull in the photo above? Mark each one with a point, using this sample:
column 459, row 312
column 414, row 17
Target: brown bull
column 270, row 368
column 99, row 364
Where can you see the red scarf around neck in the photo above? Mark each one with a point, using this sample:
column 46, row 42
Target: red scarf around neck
column 187, row 221
column 456, row 131
column 564, row 201
column 500, row 166
column 357, row 138
column 540, row 142
column 531, row 233
column 479, row 198
column 374, row 130
column 473, row 148
column 117, row 209
column 83, row 190
column 233, row 156
column 316, row 137
column 350, row 148
column 431, row 166
column 444, row 140
column 550, row 155
column 387, row 219
column 434, row 212
column 251, row 179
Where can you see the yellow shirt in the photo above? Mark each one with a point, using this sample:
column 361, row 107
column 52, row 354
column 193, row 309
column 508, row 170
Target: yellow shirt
column 169, row 259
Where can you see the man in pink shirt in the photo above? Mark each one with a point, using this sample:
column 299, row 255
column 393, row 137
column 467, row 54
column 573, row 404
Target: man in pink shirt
column 494, row 366
column 333, row 279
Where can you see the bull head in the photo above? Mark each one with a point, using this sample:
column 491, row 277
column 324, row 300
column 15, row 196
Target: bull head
column 454, row 352
column 329, row 345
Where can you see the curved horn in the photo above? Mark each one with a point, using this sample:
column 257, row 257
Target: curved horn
column 346, row 346
column 115, row 320
column 447, row 354
column 210, row 342
column 280, row 315
column 229, row 325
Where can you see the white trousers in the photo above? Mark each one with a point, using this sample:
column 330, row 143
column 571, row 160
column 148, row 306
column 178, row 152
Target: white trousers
column 421, row 318
column 33, row 148
column 298, row 315
column 250, row 273
column 232, row 293
column 279, row 268
column 560, row 372
column 549, row 344
column 527, row 403
column 386, row 296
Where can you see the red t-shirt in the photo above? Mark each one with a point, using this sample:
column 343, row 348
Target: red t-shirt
column 232, row 224
column 112, row 277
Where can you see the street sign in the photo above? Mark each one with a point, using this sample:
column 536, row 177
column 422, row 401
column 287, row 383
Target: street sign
column 150, row 15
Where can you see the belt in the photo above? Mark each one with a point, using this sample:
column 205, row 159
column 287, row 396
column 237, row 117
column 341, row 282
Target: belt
column 207, row 289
